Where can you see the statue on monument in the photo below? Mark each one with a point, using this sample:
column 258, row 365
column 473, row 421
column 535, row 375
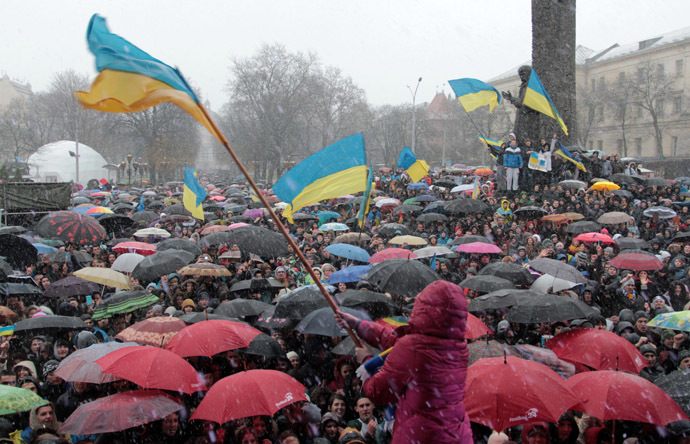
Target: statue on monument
column 526, row 119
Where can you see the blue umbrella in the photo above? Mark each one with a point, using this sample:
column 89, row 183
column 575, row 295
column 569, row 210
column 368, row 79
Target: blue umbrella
column 349, row 274
column 349, row 252
column 418, row 186
column 325, row 216
column 43, row 248
column 334, row 226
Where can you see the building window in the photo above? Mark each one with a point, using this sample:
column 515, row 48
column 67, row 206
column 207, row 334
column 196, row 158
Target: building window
column 640, row 75
column 679, row 68
column 602, row 83
column 639, row 111
column 591, row 144
column 674, row 145
column 600, row 145
column 677, row 105
column 638, row 146
column 621, row 78
column 660, row 70
column 660, row 107
column 619, row 146
column 593, row 84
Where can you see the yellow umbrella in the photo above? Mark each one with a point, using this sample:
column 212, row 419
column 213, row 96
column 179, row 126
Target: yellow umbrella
column 604, row 186
column 573, row 216
column 204, row 269
column 104, row 276
column 409, row 240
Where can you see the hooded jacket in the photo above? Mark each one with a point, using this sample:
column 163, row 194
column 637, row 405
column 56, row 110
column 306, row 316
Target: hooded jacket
column 426, row 370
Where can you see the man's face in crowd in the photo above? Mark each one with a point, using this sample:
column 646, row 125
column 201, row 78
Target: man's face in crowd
column 365, row 409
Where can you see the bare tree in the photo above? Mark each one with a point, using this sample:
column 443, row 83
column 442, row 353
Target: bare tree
column 619, row 98
column 590, row 111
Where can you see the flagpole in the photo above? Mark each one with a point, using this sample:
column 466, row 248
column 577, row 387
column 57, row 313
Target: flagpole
column 276, row 219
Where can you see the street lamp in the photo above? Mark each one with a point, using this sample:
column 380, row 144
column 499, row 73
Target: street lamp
column 128, row 167
column 414, row 113
column 76, row 157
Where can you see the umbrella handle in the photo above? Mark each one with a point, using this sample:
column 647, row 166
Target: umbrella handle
column 278, row 222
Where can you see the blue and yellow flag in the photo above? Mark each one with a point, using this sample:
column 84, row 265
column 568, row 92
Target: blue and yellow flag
column 416, row 168
column 473, row 93
column 193, row 194
column 491, row 142
column 538, row 99
column 131, row 80
column 475, row 188
column 567, row 155
column 364, row 207
column 338, row 169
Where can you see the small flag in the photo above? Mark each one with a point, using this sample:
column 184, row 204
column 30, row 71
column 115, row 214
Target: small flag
column 364, row 207
column 475, row 188
column 491, row 142
column 433, row 262
column 140, row 207
column 416, row 168
column 537, row 162
column 473, row 93
column 193, row 194
column 538, row 99
column 567, row 155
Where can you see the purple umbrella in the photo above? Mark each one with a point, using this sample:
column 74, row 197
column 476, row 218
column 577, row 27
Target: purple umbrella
column 254, row 213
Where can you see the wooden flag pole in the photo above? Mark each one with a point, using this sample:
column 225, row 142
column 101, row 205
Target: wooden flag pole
column 276, row 219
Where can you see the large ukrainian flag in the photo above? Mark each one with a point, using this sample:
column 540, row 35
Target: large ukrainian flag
column 415, row 168
column 131, row 80
column 473, row 93
column 538, row 99
column 338, row 169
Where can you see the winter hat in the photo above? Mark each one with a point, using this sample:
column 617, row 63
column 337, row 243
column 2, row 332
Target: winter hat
column 641, row 314
column 626, row 315
column 623, row 325
column 667, row 334
column 503, row 325
column 48, row 367
column 659, row 298
column 472, row 270
column 188, row 303
column 85, row 339
column 292, row 354
column 170, row 311
column 628, row 282
column 683, row 354
column 648, row 348
column 633, row 338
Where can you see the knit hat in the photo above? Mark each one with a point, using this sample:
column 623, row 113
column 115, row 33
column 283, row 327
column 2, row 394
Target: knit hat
column 503, row 325
column 49, row 366
column 683, row 354
column 292, row 354
column 667, row 334
column 647, row 348
column 351, row 435
column 170, row 311
column 628, row 282
column 188, row 303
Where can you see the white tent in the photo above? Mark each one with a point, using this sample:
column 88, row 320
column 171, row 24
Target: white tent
column 54, row 163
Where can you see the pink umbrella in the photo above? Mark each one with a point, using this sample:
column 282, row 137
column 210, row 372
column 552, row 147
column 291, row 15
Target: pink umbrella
column 595, row 237
column 479, row 248
column 218, row 198
column 391, row 253
column 237, row 225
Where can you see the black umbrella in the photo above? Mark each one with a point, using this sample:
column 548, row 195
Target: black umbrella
column 179, row 244
column 240, row 218
column 322, row 322
column 557, row 269
column 501, row 299
column 215, row 239
column 486, row 284
column 257, row 284
column 116, row 223
column 17, row 251
column 70, row 286
column 621, row 193
column 401, row 276
column 622, row 179
column 122, row 208
column 48, row 324
column 19, row 288
column 239, row 308
column 389, row 230
column 682, row 237
column 5, row 270
column 530, row 211
column 378, row 305
column 162, row 262
column 466, row 206
column 145, row 216
column 60, row 257
column 305, row 217
column 436, row 207
column 177, row 209
column 470, row 238
column 583, row 226
column 72, row 227
column 212, row 207
column 12, row 229
column 677, row 385
column 656, row 182
column 258, row 240
column 300, row 302
column 431, row 218
column 407, row 208
column 514, row 273
column 347, row 347
column 632, row 243
column 268, row 321
column 264, row 345
column 637, row 250
column 193, row 318
column 549, row 308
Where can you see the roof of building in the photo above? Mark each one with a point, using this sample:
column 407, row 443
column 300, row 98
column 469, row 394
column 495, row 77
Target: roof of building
column 441, row 107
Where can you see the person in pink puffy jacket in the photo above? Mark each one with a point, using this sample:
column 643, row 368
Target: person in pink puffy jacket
column 426, row 370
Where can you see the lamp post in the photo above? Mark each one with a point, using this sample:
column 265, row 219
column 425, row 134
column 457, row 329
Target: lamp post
column 76, row 157
column 128, row 167
column 414, row 113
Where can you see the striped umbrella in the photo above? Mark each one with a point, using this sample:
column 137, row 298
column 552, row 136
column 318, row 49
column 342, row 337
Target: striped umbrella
column 141, row 248
column 156, row 331
column 124, row 302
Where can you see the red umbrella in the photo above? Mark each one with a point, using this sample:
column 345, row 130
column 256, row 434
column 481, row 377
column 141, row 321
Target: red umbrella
column 156, row 331
column 479, row 248
column 636, row 261
column 250, row 393
column 598, row 349
column 208, row 338
column 154, row 368
column 391, row 253
column 595, row 237
column 508, row 391
column 475, row 328
column 72, row 227
column 141, row 248
column 610, row 395
column 120, row 412
column 210, row 229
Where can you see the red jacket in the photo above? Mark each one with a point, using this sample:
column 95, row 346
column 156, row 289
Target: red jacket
column 425, row 373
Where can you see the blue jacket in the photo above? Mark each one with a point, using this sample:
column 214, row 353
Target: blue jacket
column 512, row 157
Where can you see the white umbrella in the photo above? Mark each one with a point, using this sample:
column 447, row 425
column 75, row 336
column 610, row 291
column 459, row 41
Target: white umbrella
column 663, row 212
column 431, row 251
column 155, row 232
column 546, row 282
column 461, row 188
column 126, row 262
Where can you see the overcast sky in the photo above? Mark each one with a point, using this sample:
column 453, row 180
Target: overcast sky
column 384, row 45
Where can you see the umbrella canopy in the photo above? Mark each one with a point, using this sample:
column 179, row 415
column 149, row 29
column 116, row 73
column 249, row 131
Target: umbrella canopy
column 124, row 302
column 471, row 238
column 401, row 276
column 677, row 385
column 51, row 324
column 43, row 248
column 152, row 368
column 327, row 216
column 429, row 218
column 152, row 232
column 16, row 400
column 349, row 274
column 636, row 261
column 595, row 237
column 572, row 184
column 144, row 216
column 115, row 223
column 614, row 218
column 347, row 347
column 239, row 308
column 322, row 322
column 625, row 243
column 103, row 276
column 508, row 391
column 62, row 257
column 300, row 302
column 120, row 412
column 334, row 226
column 127, row 262
column 432, row 251
column 407, row 208
column 407, row 240
column 179, row 244
column 598, row 349
column 209, row 338
column 71, row 227
column 80, row 365
column 352, row 238
column 17, row 251
column 621, row 193
column 348, row 251
column 196, row 317
column 378, row 305
column 487, row 349
column 70, row 286
column 466, row 206
column 557, row 269
column 390, row 230
column 549, row 284
column 263, row 345
column 676, row 320
column 391, row 253
column 514, row 273
column 476, row 328
column 608, row 395
column 604, row 186
column 257, row 284
column 656, row 182
column 500, row 299
column 268, row 321
column 162, row 263
column 486, row 284
column 530, row 212
column 258, row 240
column 156, row 331
column 478, row 248
column 583, row 226
column 204, row 269
column 662, row 212
column 141, row 248
column 622, row 179
column 549, row 308
column 249, row 393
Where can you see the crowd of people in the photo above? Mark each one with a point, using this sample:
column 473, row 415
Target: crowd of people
column 339, row 411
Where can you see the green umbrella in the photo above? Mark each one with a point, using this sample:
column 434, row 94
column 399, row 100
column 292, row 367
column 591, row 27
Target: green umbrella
column 124, row 302
column 15, row 400
column 676, row 320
